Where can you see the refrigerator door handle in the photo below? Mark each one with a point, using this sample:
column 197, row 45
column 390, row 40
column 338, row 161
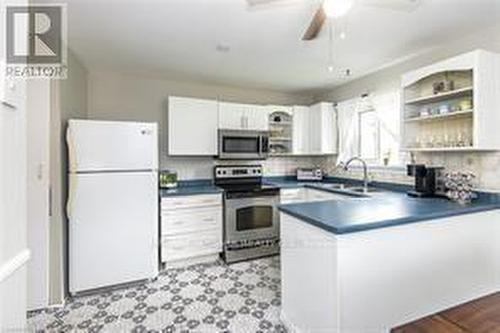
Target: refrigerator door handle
column 71, row 151
column 71, row 195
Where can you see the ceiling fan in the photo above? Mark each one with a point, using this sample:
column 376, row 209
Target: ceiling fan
column 337, row 8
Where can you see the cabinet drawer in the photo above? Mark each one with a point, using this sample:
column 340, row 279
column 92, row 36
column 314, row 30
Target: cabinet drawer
column 191, row 245
column 176, row 222
column 191, row 201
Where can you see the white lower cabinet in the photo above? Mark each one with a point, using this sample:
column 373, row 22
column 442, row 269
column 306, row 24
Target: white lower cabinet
column 191, row 226
column 190, row 220
column 302, row 194
column 319, row 195
column 293, row 195
column 191, row 245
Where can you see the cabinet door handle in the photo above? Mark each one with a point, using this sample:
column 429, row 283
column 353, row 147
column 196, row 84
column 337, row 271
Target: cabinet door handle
column 9, row 105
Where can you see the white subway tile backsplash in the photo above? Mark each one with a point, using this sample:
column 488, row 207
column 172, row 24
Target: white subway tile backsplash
column 202, row 167
column 484, row 165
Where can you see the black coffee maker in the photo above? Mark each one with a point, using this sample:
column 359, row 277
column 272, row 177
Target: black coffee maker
column 426, row 180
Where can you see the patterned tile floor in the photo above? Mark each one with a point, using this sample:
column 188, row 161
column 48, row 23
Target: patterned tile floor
column 243, row 297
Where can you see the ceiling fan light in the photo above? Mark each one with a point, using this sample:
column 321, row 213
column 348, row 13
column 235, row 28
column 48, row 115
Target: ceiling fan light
column 336, row 8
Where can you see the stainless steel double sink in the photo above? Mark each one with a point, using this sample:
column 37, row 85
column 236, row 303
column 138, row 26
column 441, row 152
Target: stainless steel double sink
column 349, row 188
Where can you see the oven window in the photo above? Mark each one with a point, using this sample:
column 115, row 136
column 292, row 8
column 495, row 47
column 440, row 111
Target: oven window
column 254, row 217
column 234, row 144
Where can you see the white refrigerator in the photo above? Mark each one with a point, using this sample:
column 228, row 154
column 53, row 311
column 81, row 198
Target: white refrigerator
column 112, row 203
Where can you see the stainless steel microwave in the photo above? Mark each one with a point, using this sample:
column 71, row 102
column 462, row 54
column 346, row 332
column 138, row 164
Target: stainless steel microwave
column 243, row 145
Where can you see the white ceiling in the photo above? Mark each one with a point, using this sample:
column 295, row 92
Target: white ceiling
column 178, row 38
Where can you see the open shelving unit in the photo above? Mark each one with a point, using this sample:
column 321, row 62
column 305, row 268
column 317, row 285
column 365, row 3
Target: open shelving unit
column 280, row 131
column 452, row 105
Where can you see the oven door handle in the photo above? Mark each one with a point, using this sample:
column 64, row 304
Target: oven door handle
column 251, row 202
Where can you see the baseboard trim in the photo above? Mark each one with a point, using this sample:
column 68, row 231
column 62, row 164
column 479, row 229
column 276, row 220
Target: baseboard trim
column 16, row 262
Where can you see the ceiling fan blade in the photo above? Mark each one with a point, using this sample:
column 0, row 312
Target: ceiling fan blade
column 316, row 25
column 397, row 5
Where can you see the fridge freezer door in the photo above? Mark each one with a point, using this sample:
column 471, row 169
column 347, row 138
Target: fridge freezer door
column 113, row 229
column 111, row 146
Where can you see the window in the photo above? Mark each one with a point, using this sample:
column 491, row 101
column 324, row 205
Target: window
column 369, row 127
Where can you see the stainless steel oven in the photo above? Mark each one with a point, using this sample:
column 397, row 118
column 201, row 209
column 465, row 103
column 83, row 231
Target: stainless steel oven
column 243, row 144
column 251, row 218
column 251, row 215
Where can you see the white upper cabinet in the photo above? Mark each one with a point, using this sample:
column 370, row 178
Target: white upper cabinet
column 301, row 130
column 315, row 129
column 257, row 118
column 192, row 126
column 453, row 105
column 242, row 116
column 328, row 128
column 231, row 116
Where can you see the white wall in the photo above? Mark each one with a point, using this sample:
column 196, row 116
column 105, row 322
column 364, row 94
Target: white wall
column 482, row 164
column 38, row 118
column 118, row 96
column 68, row 100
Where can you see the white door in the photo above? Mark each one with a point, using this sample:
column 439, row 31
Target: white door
column 38, row 117
column 192, row 126
column 112, row 146
column 113, row 229
column 14, row 253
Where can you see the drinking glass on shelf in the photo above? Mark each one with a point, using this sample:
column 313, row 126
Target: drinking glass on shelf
column 461, row 138
column 446, row 140
column 432, row 141
column 418, row 142
column 439, row 141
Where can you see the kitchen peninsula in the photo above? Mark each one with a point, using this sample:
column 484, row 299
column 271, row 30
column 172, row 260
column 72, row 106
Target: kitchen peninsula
column 370, row 264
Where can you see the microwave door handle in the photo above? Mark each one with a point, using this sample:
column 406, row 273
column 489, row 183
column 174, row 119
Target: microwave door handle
column 263, row 143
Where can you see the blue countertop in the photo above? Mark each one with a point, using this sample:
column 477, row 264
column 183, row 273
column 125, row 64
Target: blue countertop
column 384, row 209
column 191, row 187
